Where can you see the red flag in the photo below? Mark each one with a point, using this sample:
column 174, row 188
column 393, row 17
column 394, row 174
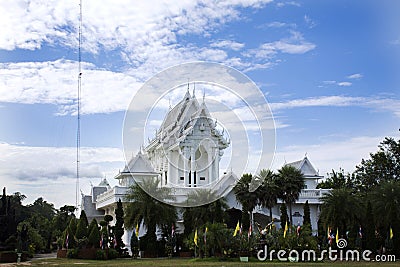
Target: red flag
column 173, row 230
column 115, row 242
column 66, row 241
column 250, row 232
column 298, row 230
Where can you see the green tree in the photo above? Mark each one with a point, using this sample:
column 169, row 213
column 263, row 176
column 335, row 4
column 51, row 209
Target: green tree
column 284, row 217
column 385, row 200
column 290, row 182
column 383, row 165
column 143, row 207
column 196, row 216
column 43, row 208
column 267, row 192
column 307, row 217
column 134, row 245
column 341, row 209
column 119, row 227
column 337, row 180
column 81, row 230
column 246, row 198
column 94, row 234
column 368, row 228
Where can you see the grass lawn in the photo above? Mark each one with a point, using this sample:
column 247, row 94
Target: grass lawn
column 190, row 262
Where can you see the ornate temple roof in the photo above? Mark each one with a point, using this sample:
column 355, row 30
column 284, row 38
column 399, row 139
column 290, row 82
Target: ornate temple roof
column 305, row 167
column 180, row 120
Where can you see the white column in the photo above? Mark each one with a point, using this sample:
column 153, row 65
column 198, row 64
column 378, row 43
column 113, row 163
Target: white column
column 210, row 166
column 185, row 165
column 192, row 163
column 216, row 164
column 169, row 174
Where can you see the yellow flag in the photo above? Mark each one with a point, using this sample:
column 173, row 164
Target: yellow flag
column 137, row 229
column 390, row 233
column 195, row 237
column 337, row 236
column 236, row 229
column 284, row 232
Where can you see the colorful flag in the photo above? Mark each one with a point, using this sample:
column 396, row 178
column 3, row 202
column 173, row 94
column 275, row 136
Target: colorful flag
column 66, row 240
column 390, row 233
column 101, row 241
column 337, row 236
column 114, row 242
column 236, row 229
column 298, row 230
column 360, row 232
column 205, row 236
column 172, row 230
column 284, row 232
column 250, row 232
column 195, row 237
column 137, row 229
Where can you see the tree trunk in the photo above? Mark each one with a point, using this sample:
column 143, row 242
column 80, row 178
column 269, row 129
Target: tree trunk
column 290, row 215
column 270, row 213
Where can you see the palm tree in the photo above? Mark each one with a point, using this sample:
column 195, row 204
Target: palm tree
column 208, row 213
column 153, row 212
column 246, row 198
column 385, row 200
column 340, row 209
column 290, row 182
column 267, row 192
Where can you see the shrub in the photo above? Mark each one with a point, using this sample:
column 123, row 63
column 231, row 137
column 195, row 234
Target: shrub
column 72, row 253
column 100, row 255
column 94, row 237
column 81, row 229
column 112, row 254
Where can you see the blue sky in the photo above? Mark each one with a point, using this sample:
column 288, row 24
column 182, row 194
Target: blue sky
column 329, row 70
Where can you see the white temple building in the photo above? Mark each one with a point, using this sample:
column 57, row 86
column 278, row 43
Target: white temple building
column 185, row 156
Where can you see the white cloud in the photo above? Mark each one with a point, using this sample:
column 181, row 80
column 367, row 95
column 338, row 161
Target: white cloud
column 228, row 44
column 329, row 82
column 276, row 24
column 355, row 76
column 310, row 22
column 295, row 44
column 51, row 171
column 288, row 3
column 326, row 156
column 55, row 82
column 345, row 84
column 375, row 103
column 143, row 31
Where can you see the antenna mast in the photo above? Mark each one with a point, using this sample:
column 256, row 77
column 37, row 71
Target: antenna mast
column 78, row 132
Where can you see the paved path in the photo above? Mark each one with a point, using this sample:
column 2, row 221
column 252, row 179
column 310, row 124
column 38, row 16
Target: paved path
column 44, row 256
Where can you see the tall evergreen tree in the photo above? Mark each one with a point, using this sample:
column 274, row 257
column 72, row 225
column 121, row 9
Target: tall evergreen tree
column 368, row 229
column 307, row 217
column 94, row 234
column 119, row 227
